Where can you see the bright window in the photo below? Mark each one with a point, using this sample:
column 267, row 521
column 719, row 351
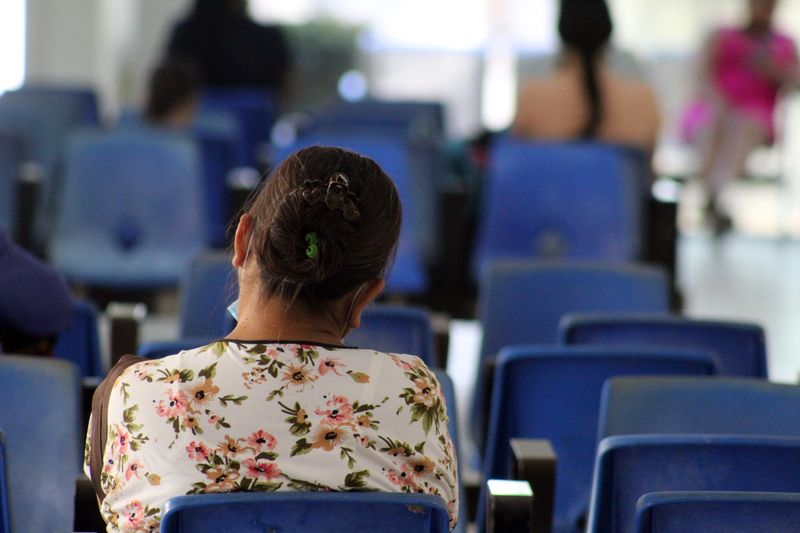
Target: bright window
column 12, row 44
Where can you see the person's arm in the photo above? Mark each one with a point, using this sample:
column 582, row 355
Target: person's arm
column 34, row 298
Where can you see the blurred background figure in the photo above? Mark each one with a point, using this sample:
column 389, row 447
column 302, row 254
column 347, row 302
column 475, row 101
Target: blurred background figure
column 173, row 95
column 230, row 49
column 35, row 303
column 743, row 71
column 584, row 98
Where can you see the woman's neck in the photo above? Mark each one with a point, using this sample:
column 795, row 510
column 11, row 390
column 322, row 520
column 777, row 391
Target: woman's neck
column 275, row 319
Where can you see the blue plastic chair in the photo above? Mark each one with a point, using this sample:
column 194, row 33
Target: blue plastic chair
column 559, row 201
column 660, row 405
column 399, row 159
column 208, row 287
column 40, row 416
column 82, row 101
column 631, row 466
column 554, row 393
column 11, row 159
column 255, row 110
column 131, row 213
column 718, row 512
column 415, row 119
column 159, row 349
column 741, row 347
column 449, row 391
column 318, row 512
column 521, row 302
column 5, row 519
column 80, row 343
column 396, row 329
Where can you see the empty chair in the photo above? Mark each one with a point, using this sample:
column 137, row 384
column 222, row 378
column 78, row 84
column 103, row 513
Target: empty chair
column 131, row 210
column 323, row 512
column 521, row 302
column 416, row 250
column 80, row 342
column 208, row 287
column 741, row 348
column 554, row 393
column 5, row 519
column 40, row 416
column 395, row 329
column 255, row 110
column 735, row 406
column 630, row 466
column 80, row 101
column 559, row 200
column 11, row 158
column 718, row 512
column 416, row 119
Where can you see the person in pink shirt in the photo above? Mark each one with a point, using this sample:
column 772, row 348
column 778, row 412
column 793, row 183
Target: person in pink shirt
column 744, row 71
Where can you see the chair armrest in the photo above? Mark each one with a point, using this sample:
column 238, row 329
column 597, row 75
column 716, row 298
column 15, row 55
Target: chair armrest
column 534, row 461
column 125, row 320
column 509, row 506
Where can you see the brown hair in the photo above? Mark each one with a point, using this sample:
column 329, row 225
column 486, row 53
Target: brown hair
column 351, row 250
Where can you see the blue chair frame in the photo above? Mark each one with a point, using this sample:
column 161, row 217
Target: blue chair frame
column 11, row 159
column 660, row 405
column 41, row 418
column 741, row 347
column 554, row 393
column 5, row 519
column 718, row 512
column 80, row 343
column 396, row 329
column 630, row 466
column 325, row 512
column 552, row 200
column 208, row 286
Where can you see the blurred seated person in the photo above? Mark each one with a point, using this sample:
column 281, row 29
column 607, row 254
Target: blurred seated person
column 35, row 303
column 584, row 98
column 229, row 49
column 280, row 403
column 743, row 71
column 173, row 96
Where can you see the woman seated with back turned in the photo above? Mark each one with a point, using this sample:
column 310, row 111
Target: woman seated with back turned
column 584, row 98
column 281, row 404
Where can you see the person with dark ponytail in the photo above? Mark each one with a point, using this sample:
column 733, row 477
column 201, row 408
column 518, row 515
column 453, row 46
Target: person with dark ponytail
column 584, row 98
column 281, row 403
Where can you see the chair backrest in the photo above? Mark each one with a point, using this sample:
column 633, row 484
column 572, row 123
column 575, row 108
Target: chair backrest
column 255, row 109
column 559, row 200
column 417, row 120
column 80, row 343
column 718, row 512
column 40, row 416
column 399, row 159
column 131, row 209
column 159, row 349
column 554, row 393
column 208, row 287
column 741, row 348
column 5, row 519
column 631, row 466
column 326, row 512
column 659, row 405
column 449, row 391
column 395, row 329
column 81, row 101
column 11, row 159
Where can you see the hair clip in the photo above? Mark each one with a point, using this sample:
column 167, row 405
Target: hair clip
column 312, row 191
column 312, row 250
column 339, row 197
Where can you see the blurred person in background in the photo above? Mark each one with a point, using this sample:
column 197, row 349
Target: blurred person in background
column 585, row 98
column 173, row 95
column 35, row 302
column 229, row 49
column 743, row 71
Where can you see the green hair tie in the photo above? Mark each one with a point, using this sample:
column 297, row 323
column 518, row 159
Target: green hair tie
column 311, row 250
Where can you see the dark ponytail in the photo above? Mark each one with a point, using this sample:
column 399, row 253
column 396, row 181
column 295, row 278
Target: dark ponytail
column 585, row 26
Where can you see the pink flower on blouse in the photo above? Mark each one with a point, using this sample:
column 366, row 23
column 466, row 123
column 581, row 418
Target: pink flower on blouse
column 132, row 515
column 330, row 364
column 402, row 364
column 121, row 442
column 261, row 438
column 175, row 407
column 198, row 451
column 261, row 469
column 133, row 469
column 338, row 410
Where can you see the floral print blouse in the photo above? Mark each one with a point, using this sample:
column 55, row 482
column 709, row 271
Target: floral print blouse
column 261, row 416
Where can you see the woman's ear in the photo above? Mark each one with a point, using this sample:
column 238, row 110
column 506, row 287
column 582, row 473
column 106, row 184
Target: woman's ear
column 241, row 241
column 372, row 289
